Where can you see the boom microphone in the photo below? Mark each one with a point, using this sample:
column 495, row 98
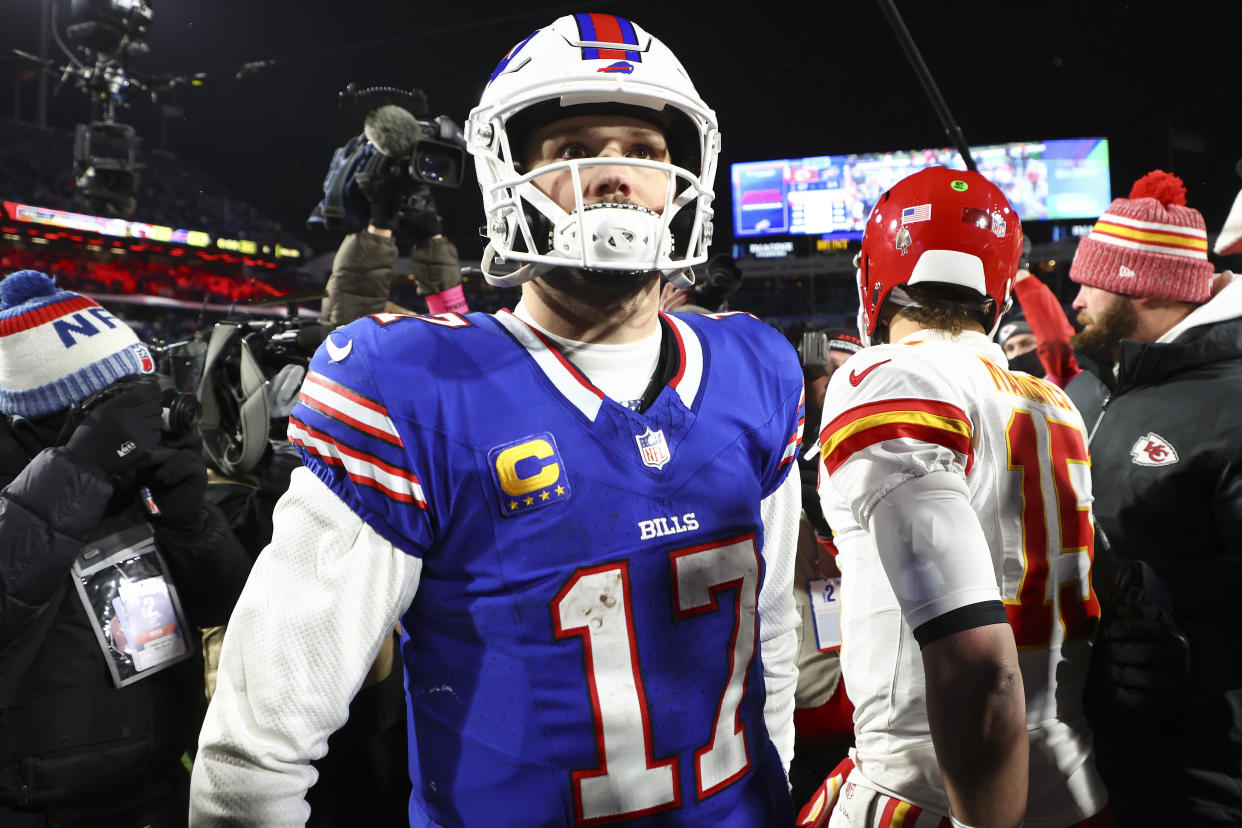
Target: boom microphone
column 393, row 130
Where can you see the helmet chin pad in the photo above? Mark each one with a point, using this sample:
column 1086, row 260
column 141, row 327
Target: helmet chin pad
column 611, row 236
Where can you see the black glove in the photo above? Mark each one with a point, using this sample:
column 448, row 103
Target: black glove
column 435, row 265
column 177, row 478
column 420, row 217
column 1142, row 661
column 381, row 181
column 118, row 431
column 808, row 471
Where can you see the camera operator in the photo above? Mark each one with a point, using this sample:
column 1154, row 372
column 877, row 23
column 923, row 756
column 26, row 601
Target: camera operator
column 251, row 374
column 248, row 381
column 362, row 270
column 109, row 558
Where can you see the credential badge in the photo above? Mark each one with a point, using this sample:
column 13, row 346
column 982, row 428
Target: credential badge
column 653, row 448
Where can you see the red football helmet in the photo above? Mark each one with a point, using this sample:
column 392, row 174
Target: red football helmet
column 939, row 226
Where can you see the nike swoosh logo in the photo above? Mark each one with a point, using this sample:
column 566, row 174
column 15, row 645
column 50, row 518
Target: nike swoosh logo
column 856, row 377
column 336, row 353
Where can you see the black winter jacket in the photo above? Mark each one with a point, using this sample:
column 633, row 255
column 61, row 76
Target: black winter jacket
column 1166, row 454
column 68, row 737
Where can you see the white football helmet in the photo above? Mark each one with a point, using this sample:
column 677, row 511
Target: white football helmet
column 588, row 64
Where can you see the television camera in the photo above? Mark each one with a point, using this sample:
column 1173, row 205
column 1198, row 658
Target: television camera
column 715, row 281
column 106, row 33
column 398, row 140
column 249, row 373
column 105, row 170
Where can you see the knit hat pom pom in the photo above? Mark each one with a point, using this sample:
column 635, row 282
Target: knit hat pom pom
column 23, row 286
column 1162, row 186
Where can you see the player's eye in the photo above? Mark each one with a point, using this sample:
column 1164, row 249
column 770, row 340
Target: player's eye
column 648, row 152
column 570, row 151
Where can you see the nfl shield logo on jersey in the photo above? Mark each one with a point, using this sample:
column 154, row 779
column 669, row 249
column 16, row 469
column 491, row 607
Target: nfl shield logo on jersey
column 653, row 448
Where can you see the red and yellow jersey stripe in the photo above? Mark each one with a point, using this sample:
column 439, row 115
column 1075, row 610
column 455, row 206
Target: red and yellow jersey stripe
column 931, row 421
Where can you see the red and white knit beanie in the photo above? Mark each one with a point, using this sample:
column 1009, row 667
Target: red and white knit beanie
column 1150, row 244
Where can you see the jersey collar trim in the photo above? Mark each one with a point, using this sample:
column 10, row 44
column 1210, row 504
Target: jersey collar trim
column 577, row 389
column 979, row 343
column 567, row 379
column 688, row 378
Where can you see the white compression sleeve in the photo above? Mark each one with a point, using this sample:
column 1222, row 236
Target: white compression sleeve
column 932, row 547
column 321, row 600
column 778, row 613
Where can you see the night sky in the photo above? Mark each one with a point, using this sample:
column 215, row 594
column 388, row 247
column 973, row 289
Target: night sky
column 786, row 79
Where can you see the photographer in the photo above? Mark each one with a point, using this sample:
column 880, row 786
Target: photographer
column 251, row 374
column 395, row 204
column 109, row 560
column 248, row 382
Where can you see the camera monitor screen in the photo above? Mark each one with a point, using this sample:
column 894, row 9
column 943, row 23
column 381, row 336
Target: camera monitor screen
column 831, row 195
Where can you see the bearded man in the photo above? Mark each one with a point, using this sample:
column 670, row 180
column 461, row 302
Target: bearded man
column 1166, row 455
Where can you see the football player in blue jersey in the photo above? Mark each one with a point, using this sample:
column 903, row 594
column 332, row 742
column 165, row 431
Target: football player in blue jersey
column 581, row 512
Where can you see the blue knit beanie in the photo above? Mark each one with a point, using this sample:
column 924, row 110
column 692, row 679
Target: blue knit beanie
column 58, row 347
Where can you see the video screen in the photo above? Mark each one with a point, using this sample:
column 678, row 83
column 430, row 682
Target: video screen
column 831, row 195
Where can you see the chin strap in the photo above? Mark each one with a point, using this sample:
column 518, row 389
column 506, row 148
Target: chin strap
column 683, row 278
column 525, row 273
column 679, row 278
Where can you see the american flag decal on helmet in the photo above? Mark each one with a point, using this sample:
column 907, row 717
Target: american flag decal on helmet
column 608, row 28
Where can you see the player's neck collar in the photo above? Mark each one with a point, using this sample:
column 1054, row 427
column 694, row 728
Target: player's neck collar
column 681, row 369
column 976, row 341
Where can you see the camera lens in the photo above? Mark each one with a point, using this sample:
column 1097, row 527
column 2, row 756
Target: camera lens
column 436, row 163
column 182, row 412
column 430, row 168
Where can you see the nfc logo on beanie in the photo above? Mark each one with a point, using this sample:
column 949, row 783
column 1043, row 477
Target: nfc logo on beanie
column 68, row 327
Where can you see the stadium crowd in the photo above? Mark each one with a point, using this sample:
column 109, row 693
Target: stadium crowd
column 36, row 167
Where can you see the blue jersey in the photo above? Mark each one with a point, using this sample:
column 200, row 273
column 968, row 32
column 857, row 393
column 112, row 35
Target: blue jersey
column 583, row 646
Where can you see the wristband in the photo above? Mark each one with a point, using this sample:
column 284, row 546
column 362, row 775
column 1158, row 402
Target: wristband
column 452, row 300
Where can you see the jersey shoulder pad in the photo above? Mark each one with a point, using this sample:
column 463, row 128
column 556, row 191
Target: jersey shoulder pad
column 888, row 372
column 380, row 338
column 744, row 339
column 886, row 392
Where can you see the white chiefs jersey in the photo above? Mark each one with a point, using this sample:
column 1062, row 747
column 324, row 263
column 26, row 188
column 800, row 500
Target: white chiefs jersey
column 932, row 403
